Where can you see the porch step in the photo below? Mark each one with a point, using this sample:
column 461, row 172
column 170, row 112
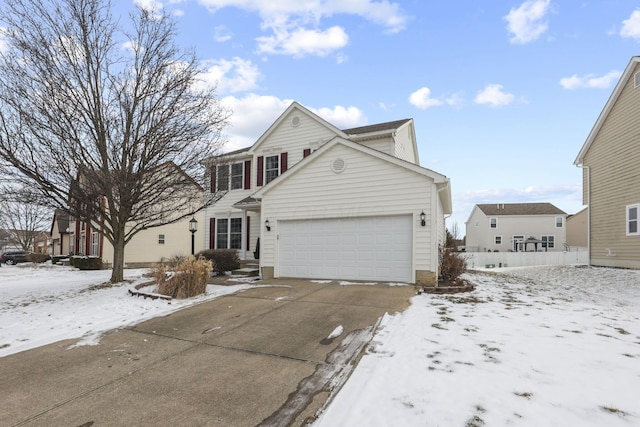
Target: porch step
column 247, row 272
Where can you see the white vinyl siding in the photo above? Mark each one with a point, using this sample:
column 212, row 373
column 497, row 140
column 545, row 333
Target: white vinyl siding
column 368, row 186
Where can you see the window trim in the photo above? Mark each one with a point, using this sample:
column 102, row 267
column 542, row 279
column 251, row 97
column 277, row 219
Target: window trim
column 240, row 165
column 560, row 223
column 545, row 241
column 628, row 221
column 161, row 239
column 497, row 240
column 228, row 234
column 272, row 169
column 493, row 222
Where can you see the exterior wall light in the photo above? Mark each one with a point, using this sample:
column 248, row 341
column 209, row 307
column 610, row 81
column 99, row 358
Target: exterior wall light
column 267, row 226
column 423, row 221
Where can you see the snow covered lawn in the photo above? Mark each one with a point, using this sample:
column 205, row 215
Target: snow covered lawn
column 42, row 304
column 546, row 346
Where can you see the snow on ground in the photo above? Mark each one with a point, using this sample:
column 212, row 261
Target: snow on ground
column 42, row 304
column 545, row 346
column 538, row 346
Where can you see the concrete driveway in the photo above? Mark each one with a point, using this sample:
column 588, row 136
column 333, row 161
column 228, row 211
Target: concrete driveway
column 260, row 357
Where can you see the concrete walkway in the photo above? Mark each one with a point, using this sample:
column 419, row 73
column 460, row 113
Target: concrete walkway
column 260, row 357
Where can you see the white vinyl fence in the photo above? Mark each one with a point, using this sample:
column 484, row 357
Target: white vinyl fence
column 523, row 259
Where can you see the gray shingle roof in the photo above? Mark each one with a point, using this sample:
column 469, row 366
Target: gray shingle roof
column 495, row 209
column 376, row 128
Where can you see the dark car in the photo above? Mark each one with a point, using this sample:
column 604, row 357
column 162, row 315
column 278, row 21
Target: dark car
column 14, row 257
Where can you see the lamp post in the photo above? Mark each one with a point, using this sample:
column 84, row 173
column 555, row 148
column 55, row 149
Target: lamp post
column 193, row 227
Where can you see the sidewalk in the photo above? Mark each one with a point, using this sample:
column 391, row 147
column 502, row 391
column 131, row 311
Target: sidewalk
column 260, row 357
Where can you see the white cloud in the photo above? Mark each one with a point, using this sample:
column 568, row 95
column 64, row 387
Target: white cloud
column 342, row 117
column 421, row 98
column 302, row 42
column 222, row 34
column 493, row 95
column 296, row 24
column 590, row 80
column 631, row 26
column 526, row 23
column 231, row 76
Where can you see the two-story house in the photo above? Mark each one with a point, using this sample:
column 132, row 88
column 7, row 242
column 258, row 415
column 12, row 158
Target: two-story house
column 516, row 227
column 328, row 203
column 610, row 162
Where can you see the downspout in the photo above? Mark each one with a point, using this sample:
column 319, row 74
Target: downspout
column 588, row 192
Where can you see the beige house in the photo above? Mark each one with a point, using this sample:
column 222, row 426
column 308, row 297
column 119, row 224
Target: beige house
column 610, row 160
column 577, row 230
column 516, row 227
column 327, row 203
column 147, row 247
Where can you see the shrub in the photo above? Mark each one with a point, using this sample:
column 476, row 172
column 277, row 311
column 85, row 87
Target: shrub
column 86, row 263
column 223, row 259
column 452, row 266
column 56, row 259
column 39, row 258
column 185, row 280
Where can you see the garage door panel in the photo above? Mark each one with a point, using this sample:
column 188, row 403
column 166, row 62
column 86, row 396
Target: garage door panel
column 377, row 248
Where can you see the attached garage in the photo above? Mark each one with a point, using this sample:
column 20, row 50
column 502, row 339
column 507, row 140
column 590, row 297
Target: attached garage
column 362, row 248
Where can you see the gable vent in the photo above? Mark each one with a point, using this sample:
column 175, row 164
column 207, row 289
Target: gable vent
column 295, row 121
column 338, row 165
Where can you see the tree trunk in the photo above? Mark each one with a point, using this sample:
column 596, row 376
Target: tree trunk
column 117, row 274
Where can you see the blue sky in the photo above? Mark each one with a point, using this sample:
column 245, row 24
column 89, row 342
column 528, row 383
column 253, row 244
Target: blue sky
column 503, row 93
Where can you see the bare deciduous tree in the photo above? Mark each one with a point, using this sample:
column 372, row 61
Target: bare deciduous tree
column 106, row 122
column 23, row 218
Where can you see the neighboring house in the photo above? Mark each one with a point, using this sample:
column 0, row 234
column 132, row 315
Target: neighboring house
column 42, row 243
column 610, row 161
column 326, row 203
column 148, row 247
column 516, row 227
column 577, row 231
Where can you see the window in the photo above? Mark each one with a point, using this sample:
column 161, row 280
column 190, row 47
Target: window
column 493, row 222
column 236, row 176
column 548, row 242
column 222, row 234
column 271, row 169
column 497, row 240
column 223, row 178
column 559, row 222
column 95, row 239
column 632, row 220
column 229, row 233
column 161, row 239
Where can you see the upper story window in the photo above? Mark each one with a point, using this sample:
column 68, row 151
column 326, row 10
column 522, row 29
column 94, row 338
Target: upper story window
column 237, row 180
column 493, row 222
column 559, row 222
column 497, row 240
column 271, row 169
column 633, row 212
column 235, row 176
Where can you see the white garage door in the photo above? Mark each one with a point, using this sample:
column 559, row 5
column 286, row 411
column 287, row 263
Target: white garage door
column 377, row 248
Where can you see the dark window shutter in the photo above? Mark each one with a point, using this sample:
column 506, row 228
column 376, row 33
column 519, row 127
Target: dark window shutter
column 247, row 175
column 283, row 162
column 212, row 233
column 306, row 152
column 213, row 179
column 260, row 176
column 248, row 230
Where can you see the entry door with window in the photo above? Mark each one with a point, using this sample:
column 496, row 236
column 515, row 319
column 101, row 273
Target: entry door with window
column 518, row 244
column 229, row 233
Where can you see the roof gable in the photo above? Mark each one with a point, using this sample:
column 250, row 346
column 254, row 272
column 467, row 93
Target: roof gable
column 441, row 181
column 626, row 75
column 501, row 209
column 302, row 110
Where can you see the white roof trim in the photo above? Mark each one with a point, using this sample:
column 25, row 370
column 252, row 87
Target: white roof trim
column 626, row 75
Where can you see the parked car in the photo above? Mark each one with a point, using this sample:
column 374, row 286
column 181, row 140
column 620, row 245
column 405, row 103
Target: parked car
column 14, row 257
